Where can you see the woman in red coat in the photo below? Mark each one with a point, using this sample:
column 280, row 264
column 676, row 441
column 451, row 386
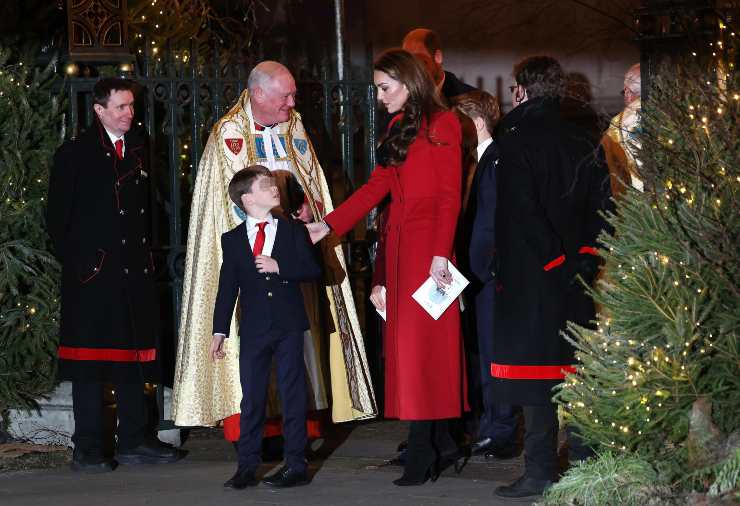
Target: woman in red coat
column 420, row 166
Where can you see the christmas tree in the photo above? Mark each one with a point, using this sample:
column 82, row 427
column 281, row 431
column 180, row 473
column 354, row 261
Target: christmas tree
column 30, row 131
column 657, row 388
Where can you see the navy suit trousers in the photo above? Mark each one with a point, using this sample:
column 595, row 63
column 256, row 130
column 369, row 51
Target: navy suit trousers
column 499, row 420
column 255, row 361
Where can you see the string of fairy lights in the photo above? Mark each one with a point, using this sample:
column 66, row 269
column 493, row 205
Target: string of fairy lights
column 641, row 360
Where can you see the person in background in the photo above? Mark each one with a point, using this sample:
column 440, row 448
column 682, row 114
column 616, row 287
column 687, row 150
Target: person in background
column 620, row 142
column 496, row 431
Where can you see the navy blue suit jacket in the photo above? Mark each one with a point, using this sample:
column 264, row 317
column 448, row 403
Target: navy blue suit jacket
column 267, row 300
column 482, row 236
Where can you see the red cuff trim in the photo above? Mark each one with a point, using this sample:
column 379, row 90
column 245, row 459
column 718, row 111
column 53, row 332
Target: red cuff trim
column 107, row 354
column 588, row 250
column 531, row 372
column 551, row 265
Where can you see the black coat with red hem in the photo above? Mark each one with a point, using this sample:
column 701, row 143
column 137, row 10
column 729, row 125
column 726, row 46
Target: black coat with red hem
column 552, row 183
column 98, row 218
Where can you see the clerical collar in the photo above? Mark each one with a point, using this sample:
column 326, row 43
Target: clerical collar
column 259, row 126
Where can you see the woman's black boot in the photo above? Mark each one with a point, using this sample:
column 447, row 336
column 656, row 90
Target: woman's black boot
column 421, row 458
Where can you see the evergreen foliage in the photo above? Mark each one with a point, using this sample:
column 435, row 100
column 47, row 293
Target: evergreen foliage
column 658, row 379
column 30, row 131
column 611, row 480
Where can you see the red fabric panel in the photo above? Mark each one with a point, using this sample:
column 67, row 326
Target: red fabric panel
column 554, row 263
column 107, row 354
column 588, row 250
column 531, row 372
column 273, row 427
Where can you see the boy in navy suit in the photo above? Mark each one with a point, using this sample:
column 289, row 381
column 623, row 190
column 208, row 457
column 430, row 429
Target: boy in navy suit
column 264, row 260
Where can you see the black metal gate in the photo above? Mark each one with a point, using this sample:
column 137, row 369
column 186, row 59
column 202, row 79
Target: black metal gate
column 183, row 94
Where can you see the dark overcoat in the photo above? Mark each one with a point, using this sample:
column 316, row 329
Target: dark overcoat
column 98, row 217
column 552, row 183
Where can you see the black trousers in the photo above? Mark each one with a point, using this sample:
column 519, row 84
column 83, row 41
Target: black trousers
column 498, row 420
column 87, row 404
column 541, row 442
column 255, row 361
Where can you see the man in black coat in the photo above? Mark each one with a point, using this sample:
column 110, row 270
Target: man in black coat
column 98, row 220
column 552, row 183
column 496, row 431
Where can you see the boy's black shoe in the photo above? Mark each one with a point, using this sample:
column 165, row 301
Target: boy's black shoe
column 243, row 478
column 287, row 477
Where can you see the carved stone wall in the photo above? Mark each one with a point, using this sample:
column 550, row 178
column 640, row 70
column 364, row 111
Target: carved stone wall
column 97, row 30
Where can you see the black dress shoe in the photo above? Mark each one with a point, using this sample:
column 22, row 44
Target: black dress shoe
column 243, row 478
column 287, row 477
column 150, row 453
column 91, row 463
column 523, row 487
column 481, row 446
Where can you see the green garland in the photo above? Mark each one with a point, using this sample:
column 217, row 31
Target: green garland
column 30, row 131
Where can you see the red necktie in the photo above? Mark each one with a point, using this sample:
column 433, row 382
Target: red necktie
column 119, row 148
column 259, row 241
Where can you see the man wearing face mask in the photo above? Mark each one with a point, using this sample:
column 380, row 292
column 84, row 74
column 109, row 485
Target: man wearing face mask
column 552, row 184
column 263, row 128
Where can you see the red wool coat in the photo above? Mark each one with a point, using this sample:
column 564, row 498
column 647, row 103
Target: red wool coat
column 423, row 357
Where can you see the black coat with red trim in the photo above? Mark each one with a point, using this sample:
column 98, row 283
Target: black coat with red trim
column 98, row 217
column 552, row 183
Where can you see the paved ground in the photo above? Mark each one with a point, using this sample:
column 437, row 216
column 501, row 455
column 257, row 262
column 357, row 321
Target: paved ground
column 349, row 469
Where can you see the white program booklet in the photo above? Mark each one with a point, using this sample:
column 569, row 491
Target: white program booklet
column 436, row 301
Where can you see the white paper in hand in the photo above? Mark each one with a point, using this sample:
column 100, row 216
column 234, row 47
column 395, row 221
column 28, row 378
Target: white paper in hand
column 436, row 301
column 381, row 312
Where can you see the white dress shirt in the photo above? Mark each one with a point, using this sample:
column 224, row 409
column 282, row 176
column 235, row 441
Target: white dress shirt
column 482, row 147
column 270, row 232
column 252, row 229
column 114, row 138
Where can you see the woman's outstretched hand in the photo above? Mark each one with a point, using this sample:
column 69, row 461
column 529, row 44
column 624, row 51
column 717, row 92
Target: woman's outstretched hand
column 317, row 231
column 439, row 273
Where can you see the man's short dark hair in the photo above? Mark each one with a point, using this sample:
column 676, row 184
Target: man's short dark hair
column 479, row 104
column 242, row 182
column 107, row 85
column 429, row 39
column 541, row 76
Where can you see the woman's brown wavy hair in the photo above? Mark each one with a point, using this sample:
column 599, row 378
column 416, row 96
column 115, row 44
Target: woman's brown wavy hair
column 422, row 103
